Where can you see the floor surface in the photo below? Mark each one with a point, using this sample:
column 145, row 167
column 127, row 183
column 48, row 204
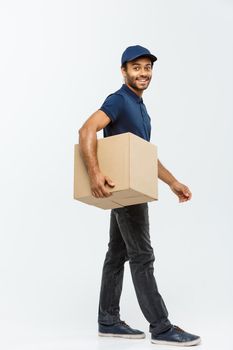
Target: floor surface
column 26, row 338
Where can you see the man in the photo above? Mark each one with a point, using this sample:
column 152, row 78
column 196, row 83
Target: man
column 124, row 111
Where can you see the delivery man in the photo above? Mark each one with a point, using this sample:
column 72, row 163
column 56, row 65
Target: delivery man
column 124, row 111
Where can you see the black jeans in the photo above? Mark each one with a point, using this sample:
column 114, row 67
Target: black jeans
column 130, row 240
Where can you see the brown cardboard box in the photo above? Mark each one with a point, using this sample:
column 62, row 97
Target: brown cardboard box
column 130, row 162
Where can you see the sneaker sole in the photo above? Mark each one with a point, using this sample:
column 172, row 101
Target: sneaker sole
column 187, row 343
column 126, row 336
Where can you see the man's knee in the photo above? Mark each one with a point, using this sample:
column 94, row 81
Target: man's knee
column 116, row 257
column 142, row 258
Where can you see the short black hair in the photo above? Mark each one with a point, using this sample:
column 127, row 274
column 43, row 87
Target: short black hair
column 124, row 65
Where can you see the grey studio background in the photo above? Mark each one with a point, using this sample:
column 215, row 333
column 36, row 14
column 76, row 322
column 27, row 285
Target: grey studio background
column 59, row 60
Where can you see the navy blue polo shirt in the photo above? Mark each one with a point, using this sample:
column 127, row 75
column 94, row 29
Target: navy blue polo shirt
column 127, row 113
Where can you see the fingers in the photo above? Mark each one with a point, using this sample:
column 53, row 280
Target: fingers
column 99, row 190
column 186, row 192
column 185, row 197
column 109, row 181
column 104, row 193
column 188, row 195
column 101, row 193
column 183, row 200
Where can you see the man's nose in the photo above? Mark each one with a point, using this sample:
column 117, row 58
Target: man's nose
column 144, row 75
column 144, row 72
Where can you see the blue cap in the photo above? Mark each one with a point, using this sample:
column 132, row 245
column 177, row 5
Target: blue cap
column 133, row 52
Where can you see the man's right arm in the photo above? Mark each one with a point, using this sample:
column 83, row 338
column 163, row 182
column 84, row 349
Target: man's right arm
column 88, row 149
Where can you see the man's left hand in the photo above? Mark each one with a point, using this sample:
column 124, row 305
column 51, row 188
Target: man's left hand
column 182, row 191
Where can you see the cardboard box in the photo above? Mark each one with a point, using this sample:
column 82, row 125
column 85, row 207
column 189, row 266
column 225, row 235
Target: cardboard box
column 130, row 162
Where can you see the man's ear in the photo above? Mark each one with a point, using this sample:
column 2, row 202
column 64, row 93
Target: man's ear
column 123, row 71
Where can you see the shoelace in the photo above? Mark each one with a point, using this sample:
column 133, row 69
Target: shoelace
column 179, row 329
column 124, row 324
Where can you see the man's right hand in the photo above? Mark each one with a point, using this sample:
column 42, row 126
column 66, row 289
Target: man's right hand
column 98, row 182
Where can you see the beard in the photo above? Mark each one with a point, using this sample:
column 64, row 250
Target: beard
column 135, row 84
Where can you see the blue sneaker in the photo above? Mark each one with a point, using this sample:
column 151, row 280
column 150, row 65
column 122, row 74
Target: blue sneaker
column 175, row 336
column 121, row 330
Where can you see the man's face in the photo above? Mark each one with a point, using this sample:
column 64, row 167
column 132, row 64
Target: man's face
column 138, row 73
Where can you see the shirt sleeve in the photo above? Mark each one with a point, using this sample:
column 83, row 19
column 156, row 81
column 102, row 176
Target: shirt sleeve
column 112, row 106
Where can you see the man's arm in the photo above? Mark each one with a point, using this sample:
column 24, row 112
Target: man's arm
column 182, row 191
column 88, row 150
column 164, row 174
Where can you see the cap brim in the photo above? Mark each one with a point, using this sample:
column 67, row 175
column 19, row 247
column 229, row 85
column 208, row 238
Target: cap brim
column 152, row 57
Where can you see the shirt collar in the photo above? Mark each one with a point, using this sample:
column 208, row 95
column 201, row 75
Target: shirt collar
column 132, row 93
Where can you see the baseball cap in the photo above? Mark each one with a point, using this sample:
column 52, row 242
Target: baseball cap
column 133, row 52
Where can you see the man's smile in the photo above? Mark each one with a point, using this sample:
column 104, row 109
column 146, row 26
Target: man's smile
column 142, row 80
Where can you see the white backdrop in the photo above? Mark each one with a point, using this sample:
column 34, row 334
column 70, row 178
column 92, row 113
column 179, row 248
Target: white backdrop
column 58, row 62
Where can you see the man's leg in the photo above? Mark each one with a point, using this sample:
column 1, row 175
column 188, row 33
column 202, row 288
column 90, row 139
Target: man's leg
column 133, row 222
column 112, row 276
